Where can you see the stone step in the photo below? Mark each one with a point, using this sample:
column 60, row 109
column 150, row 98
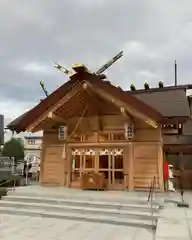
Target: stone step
column 79, row 216
column 90, row 196
column 82, row 203
column 80, row 210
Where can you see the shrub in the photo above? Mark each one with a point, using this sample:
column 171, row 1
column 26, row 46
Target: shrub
column 13, row 179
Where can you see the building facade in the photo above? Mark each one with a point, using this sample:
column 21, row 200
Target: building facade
column 32, row 148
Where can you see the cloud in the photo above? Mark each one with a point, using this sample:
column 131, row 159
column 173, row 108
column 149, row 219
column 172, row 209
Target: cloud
column 149, row 76
column 136, row 51
column 37, row 68
column 12, row 109
column 35, row 33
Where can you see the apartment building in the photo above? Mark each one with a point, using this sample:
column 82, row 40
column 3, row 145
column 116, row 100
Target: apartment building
column 32, row 148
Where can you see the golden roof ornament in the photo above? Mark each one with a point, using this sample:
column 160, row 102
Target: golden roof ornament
column 77, row 67
column 80, row 67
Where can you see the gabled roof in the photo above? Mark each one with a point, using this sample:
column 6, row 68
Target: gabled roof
column 21, row 123
column 169, row 101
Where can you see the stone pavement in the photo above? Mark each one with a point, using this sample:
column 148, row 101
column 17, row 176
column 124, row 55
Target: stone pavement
column 174, row 223
column 36, row 228
column 79, row 193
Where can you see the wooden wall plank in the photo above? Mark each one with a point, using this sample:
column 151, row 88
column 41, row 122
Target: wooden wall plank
column 53, row 171
column 145, row 165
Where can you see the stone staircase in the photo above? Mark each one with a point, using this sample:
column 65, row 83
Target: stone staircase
column 128, row 212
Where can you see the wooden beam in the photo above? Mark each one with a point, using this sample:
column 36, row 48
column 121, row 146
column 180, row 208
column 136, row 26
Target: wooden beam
column 52, row 109
column 97, row 144
column 95, row 103
column 160, row 166
column 52, row 118
column 125, row 114
column 42, row 162
column 120, row 103
column 42, row 125
column 56, row 118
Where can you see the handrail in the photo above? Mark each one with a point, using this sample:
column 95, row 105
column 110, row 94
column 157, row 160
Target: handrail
column 151, row 194
column 10, row 180
column 151, row 189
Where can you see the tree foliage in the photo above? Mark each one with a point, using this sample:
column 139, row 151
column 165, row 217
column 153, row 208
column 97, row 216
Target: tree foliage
column 14, row 148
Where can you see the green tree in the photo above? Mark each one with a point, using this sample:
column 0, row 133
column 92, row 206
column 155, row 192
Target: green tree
column 14, row 148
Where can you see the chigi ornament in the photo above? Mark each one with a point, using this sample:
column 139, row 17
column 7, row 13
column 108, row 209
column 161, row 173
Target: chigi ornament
column 129, row 130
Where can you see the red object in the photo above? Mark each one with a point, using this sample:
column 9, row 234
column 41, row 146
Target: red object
column 166, row 170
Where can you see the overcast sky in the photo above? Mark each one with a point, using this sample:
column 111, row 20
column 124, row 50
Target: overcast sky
column 34, row 33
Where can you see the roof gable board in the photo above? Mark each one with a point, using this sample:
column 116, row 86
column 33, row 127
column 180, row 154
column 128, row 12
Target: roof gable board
column 98, row 85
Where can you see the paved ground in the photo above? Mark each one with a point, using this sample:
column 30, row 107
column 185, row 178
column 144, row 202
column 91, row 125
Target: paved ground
column 174, row 223
column 32, row 228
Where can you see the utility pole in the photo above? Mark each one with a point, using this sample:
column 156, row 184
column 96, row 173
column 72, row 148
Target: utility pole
column 175, row 73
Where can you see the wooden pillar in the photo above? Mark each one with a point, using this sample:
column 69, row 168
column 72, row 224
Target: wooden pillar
column 181, row 160
column 65, row 168
column 160, row 167
column 41, row 177
column 182, row 176
column 131, row 166
column 68, row 167
column 126, row 166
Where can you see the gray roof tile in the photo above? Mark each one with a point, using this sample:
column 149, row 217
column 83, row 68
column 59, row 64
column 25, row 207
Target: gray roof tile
column 170, row 103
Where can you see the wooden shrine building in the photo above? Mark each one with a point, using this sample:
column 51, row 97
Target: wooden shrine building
column 91, row 126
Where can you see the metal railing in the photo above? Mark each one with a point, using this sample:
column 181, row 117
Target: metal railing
column 10, row 180
column 151, row 196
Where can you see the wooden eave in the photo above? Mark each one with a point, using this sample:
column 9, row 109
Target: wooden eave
column 174, row 120
column 19, row 124
column 176, row 148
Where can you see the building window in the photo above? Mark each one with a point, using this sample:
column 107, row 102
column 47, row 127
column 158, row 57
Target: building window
column 76, row 162
column 118, row 162
column 89, row 162
column 31, row 141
